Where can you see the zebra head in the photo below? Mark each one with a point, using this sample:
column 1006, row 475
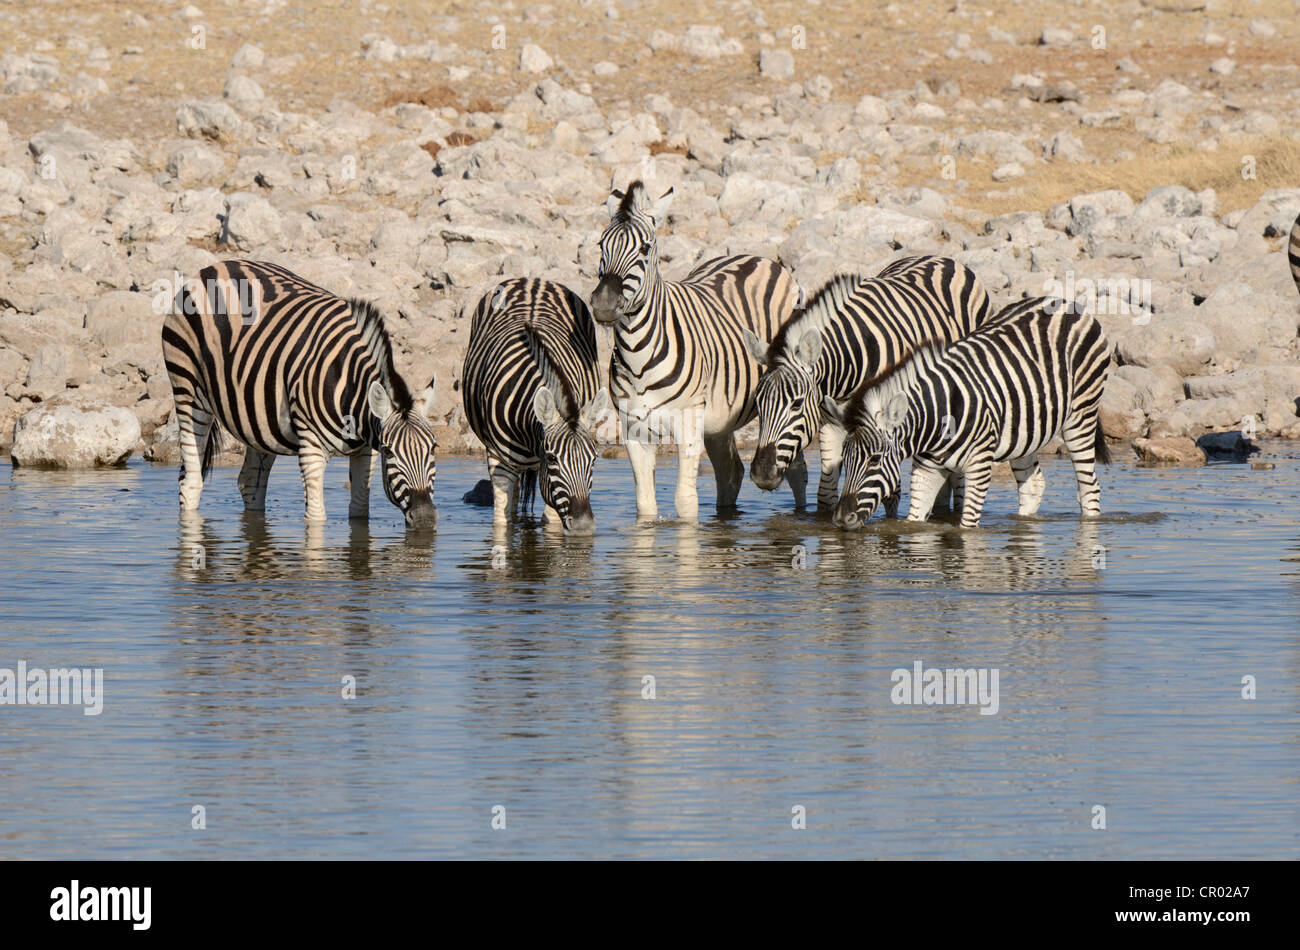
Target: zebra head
column 627, row 252
column 873, row 454
column 568, row 454
column 406, row 447
column 788, row 409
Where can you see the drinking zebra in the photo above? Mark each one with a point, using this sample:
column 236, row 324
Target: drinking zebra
column 1036, row 371
column 288, row 368
column 679, row 364
column 530, row 395
column 853, row 329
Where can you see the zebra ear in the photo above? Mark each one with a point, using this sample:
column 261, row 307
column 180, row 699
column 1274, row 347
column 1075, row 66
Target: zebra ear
column 809, row 349
column 380, row 403
column 593, row 410
column 544, row 406
column 614, row 202
column 422, row 404
column 894, row 411
column 659, row 210
column 834, row 410
column 757, row 348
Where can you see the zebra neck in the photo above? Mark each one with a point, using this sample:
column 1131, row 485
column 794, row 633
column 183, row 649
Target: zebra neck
column 646, row 317
column 363, row 424
column 929, row 419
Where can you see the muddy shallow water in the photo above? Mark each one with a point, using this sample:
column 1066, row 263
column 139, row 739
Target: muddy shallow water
column 514, row 676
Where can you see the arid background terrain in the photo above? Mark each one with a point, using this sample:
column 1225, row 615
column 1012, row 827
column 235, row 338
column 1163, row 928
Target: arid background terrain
column 416, row 152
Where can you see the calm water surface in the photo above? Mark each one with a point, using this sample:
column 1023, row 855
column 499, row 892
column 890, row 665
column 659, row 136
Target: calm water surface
column 517, row 681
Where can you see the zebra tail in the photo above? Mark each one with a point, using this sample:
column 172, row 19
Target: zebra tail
column 1099, row 445
column 528, row 497
column 209, row 450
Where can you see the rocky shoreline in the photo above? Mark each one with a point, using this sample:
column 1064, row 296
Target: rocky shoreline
column 422, row 205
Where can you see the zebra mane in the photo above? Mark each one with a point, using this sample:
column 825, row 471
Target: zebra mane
column 565, row 400
column 876, row 392
column 375, row 336
column 817, row 312
column 634, row 200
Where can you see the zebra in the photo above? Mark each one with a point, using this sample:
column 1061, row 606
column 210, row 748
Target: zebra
column 530, row 390
column 1001, row 394
column 679, row 363
column 852, row 329
column 1293, row 252
column 288, row 368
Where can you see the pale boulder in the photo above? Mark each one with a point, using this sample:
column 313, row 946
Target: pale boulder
column 66, row 437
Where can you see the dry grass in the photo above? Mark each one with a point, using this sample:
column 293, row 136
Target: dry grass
column 434, row 97
column 1276, row 163
column 863, row 47
column 662, row 147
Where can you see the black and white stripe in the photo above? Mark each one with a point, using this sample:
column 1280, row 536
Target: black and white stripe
column 1293, row 252
column 852, row 330
column 1036, row 371
column 680, row 365
column 288, row 368
column 530, row 390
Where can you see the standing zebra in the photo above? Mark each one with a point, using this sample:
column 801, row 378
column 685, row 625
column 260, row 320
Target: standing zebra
column 1036, row 371
column 530, row 395
column 853, row 329
column 679, row 363
column 290, row 369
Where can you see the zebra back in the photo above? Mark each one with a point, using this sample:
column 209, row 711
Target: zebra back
column 868, row 325
column 1036, row 367
column 525, row 334
column 277, row 359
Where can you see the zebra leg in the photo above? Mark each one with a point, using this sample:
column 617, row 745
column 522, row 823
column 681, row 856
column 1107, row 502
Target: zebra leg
column 728, row 469
column 1080, row 436
column 831, row 439
column 311, row 462
column 505, row 484
column 642, row 457
column 957, row 490
column 1030, row 483
column 195, row 428
column 979, row 474
column 796, row 476
column 891, row 505
column 925, row 485
column 526, row 494
column 690, row 446
column 253, row 476
column 686, row 500
column 360, row 468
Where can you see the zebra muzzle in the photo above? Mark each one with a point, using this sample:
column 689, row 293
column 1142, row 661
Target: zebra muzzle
column 580, row 519
column 421, row 514
column 607, row 299
column 764, row 471
column 846, row 515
